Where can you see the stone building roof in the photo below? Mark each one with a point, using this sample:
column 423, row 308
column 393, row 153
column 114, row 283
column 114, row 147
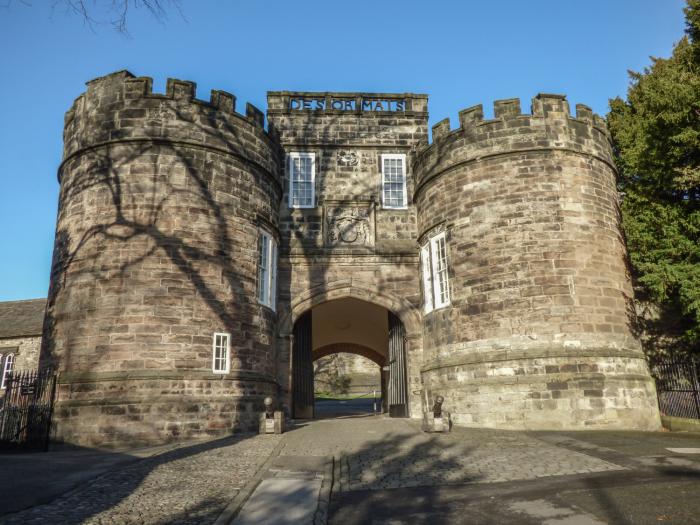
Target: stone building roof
column 21, row 318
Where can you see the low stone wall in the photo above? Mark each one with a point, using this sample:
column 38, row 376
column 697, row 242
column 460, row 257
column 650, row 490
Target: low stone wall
column 680, row 424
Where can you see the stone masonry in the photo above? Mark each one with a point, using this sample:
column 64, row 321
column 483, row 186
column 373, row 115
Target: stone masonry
column 163, row 198
column 538, row 334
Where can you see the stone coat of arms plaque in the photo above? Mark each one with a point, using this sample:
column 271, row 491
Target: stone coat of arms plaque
column 349, row 223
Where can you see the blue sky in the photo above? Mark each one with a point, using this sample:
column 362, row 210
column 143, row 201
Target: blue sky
column 461, row 53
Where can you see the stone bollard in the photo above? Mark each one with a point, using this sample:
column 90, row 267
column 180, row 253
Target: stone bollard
column 271, row 421
column 439, row 421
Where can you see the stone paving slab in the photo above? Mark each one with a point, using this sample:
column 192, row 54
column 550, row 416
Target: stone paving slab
column 380, row 453
column 188, row 485
column 282, row 500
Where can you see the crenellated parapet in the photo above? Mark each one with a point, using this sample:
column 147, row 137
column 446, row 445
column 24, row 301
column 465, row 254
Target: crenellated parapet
column 121, row 107
column 549, row 126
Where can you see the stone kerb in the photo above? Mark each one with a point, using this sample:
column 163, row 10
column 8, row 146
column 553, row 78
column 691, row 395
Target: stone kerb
column 550, row 126
column 120, row 108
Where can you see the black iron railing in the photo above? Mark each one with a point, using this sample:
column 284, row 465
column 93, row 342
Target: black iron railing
column 678, row 386
column 26, row 409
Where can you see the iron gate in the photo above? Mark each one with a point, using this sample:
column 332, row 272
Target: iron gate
column 302, row 369
column 25, row 415
column 678, row 387
column 397, row 394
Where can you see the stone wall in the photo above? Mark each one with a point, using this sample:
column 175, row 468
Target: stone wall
column 538, row 333
column 162, row 199
column 25, row 350
column 364, row 374
column 382, row 268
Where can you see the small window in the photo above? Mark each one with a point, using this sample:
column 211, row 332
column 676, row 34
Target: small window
column 221, row 361
column 302, row 177
column 267, row 270
column 436, row 286
column 394, row 181
column 7, row 370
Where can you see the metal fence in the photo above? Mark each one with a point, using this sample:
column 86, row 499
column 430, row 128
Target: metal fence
column 678, row 387
column 26, row 410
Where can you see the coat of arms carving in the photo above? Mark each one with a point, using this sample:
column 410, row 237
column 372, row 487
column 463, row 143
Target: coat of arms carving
column 347, row 158
column 349, row 225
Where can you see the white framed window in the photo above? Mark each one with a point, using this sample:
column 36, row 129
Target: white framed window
column 221, row 355
column 267, row 270
column 436, row 285
column 7, row 369
column 394, row 181
column 302, row 180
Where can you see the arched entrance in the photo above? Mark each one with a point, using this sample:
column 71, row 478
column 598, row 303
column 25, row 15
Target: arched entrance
column 355, row 326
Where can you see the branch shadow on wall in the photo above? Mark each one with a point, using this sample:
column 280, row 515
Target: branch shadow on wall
column 147, row 192
column 308, row 228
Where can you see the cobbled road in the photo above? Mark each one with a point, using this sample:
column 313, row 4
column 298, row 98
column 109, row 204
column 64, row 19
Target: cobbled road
column 187, row 485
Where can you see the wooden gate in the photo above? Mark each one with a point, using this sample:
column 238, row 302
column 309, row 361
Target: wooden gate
column 397, row 388
column 302, row 369
column 25, row 415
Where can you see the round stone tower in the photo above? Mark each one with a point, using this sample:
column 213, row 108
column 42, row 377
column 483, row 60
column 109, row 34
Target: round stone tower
column 162, row 201
column 538, row 333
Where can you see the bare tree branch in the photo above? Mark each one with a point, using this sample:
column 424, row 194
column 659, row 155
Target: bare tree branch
column 115, row 13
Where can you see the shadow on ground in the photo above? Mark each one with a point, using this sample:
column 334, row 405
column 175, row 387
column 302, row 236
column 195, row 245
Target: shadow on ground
column 103, row 480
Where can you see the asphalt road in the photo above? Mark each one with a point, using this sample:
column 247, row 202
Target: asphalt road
column 333, row 408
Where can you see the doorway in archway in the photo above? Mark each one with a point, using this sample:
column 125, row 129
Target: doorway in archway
column 350, row 326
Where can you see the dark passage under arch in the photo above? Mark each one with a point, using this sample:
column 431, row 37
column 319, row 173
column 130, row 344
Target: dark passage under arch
column 393, row 370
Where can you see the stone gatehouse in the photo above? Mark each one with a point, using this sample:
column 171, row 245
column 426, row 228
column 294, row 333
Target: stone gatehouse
column 203, row 260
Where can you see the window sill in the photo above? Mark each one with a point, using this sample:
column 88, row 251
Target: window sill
column 437, row 309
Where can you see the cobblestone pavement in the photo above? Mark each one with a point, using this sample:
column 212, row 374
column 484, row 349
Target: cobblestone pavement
column 378, row 453
column 187, row 485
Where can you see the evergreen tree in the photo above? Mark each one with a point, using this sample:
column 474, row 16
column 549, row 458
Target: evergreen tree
column 656, row 137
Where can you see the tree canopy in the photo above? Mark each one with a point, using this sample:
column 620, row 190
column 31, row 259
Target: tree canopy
column 656, row 138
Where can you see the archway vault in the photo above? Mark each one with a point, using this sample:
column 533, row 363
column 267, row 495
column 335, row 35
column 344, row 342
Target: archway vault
column 321, row 293
column 350, row 348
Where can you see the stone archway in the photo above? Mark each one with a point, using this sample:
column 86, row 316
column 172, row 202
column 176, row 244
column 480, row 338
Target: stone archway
column 350, row 348
column 329, row 324
column 402, row 308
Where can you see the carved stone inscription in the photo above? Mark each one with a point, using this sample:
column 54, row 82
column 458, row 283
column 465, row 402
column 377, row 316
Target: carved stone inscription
column 299, row 103
column 350, row 224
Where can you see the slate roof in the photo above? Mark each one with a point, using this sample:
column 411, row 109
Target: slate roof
column 21, row 318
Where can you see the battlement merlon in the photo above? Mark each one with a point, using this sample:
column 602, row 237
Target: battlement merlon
column 121, row 108
column 338, row 103
column 179, row 90
column 549, row 126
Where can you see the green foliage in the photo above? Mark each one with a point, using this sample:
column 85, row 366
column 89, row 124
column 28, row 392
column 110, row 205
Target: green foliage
column 656, row 136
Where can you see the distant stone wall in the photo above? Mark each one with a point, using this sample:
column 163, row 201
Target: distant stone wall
column 364, row 374
column 26, row 353
column 538, row 333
